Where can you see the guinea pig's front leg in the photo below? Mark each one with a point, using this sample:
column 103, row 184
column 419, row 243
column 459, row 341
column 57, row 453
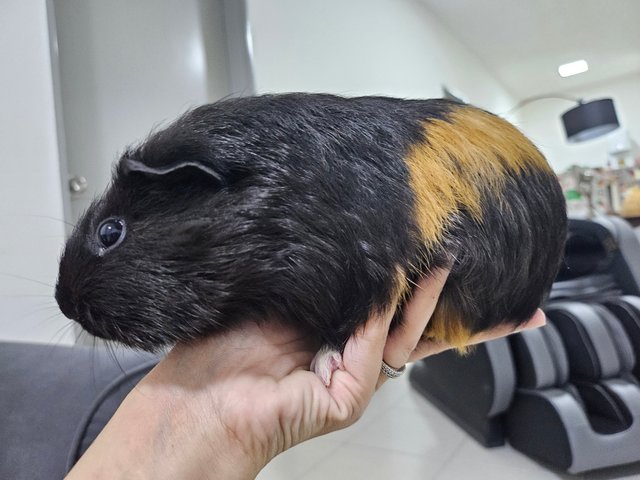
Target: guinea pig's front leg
column 326, row 361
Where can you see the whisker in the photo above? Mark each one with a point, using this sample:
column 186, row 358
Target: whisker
column 40, row 320
column 42, row 309
column 60, row 333
column 94, row 349
column 64, row 327
column 112, row 353
column 56, row 312
column 20, row 277
column 20, row 295
column 28, row 215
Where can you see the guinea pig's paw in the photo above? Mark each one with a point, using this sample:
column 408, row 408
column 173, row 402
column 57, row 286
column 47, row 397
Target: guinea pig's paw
column 326, row 361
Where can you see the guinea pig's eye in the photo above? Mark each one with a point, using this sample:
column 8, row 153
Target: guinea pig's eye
column 111, row 232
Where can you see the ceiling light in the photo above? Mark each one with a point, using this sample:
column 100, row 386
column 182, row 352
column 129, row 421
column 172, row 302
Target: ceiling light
column 573, row 68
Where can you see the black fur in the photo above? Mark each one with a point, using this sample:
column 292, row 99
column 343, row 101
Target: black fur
column 296, row 207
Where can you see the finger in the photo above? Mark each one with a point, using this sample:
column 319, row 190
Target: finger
column 428, row 347
column 537, row 320
column 362, row 355
column 417, row 313
column 403, row 340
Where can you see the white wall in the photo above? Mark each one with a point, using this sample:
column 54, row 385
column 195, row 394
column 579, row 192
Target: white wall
column 541, row 122
column 359, row 47
column 30, row 188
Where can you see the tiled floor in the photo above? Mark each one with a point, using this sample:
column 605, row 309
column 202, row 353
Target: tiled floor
column 403, row 437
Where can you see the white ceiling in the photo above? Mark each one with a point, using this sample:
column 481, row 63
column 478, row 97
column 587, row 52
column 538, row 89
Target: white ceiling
column 522, row 42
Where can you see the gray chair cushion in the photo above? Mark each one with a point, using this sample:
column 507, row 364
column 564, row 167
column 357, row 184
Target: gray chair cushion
column 55, row 400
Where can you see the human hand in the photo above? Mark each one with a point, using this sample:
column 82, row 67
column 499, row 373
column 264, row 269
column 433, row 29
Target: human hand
column 406, row 343
column 225, row 406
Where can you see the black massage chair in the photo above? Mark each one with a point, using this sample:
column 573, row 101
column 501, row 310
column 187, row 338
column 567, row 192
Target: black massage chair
column 568, row 394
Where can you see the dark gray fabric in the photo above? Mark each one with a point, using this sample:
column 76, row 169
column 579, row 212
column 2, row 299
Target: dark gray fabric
column 56, row 399
column 103, row 408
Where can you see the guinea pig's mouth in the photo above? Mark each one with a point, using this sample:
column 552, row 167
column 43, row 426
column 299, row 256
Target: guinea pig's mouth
column 81, row 313
column 109, row 328
column 86, row 319
column 76, row 308
column 87, row 315
column 106, row 329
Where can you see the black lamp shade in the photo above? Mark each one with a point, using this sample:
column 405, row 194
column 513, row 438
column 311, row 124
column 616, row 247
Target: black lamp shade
column 590, row 120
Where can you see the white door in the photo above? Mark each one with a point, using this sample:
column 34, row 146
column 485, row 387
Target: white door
column 127, row 67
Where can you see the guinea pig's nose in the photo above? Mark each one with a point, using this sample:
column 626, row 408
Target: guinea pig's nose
column 66, row 302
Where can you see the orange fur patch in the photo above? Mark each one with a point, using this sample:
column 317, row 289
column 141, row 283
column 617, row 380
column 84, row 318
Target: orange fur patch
column 470, row 152
column 446, row 325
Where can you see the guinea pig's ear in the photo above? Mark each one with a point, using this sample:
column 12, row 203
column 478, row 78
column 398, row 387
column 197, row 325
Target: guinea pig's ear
column 132, row 165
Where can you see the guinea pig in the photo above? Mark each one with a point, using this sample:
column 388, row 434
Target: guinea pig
column 317, row 210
